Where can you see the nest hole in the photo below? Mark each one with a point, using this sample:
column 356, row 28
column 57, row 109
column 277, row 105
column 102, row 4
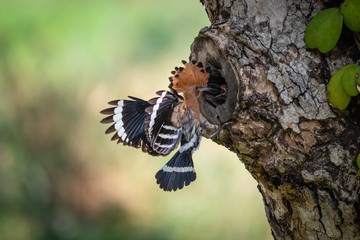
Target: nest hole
column 219, row 104
column 218, row 87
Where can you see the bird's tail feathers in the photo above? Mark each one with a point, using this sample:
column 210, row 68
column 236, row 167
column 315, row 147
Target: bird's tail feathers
column 176, row 173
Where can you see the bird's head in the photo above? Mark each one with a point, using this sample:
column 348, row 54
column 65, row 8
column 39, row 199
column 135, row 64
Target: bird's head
column 192, row 78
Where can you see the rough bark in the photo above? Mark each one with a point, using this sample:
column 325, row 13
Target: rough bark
column 299, row 149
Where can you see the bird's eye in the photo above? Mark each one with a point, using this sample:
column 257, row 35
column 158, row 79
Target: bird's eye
column 196, row 88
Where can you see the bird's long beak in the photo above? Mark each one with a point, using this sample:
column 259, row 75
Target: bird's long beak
column 210, row 90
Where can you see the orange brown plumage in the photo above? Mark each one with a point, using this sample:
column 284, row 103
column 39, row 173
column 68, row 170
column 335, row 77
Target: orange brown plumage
column 189, row 78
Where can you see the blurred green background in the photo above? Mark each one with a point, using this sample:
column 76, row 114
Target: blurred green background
column 60, row 176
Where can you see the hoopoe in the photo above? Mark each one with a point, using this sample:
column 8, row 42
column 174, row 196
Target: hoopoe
column 158, row 125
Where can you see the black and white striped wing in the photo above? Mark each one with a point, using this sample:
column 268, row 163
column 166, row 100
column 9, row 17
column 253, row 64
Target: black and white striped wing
column 128, row 118
column 162, row 133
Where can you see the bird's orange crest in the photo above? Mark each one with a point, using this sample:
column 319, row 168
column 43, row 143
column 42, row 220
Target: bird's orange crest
column 192, row 75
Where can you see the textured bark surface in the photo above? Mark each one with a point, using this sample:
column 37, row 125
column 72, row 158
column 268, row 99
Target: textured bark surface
column 299, row 149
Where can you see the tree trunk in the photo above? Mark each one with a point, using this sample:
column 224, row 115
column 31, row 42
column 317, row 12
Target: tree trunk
column 301, row 151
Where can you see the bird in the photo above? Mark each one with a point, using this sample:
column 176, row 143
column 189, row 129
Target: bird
column 160, row 124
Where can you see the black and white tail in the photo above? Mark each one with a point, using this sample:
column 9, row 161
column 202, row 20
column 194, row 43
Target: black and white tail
column 179, row 171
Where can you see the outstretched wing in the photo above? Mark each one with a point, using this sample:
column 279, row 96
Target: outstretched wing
column 128, row 118
column 161, row 131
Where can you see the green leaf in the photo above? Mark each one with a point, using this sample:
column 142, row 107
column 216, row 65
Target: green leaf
column 351, row 11
column 336, row 94
column 350, row 78
column 323, row 31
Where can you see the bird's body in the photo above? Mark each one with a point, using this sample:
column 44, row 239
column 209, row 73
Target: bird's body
column 160, row 124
